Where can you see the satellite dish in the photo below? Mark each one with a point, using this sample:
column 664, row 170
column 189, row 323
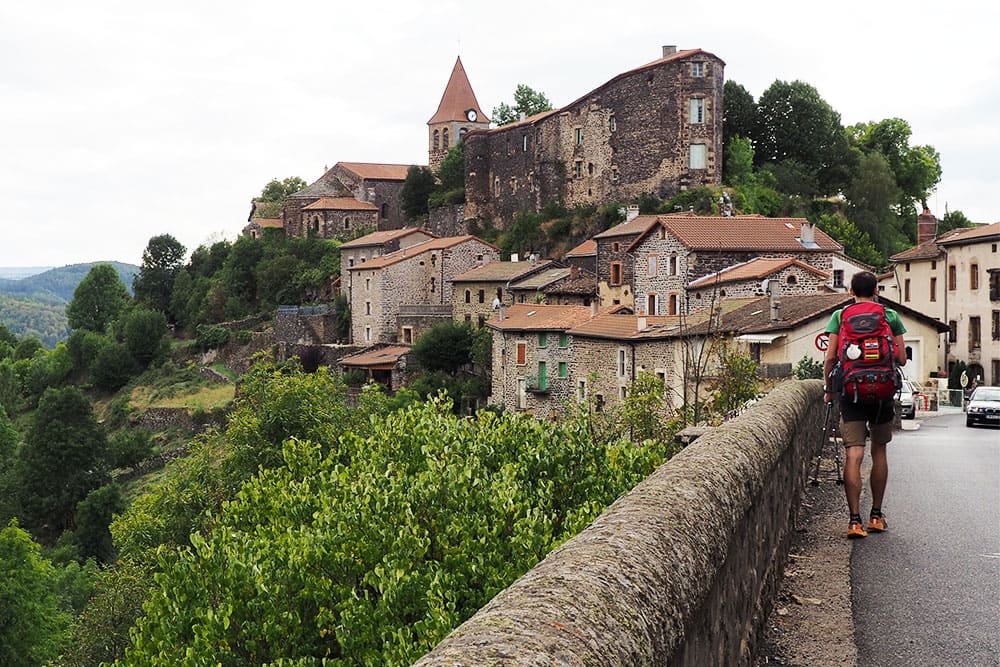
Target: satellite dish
column 496, row 303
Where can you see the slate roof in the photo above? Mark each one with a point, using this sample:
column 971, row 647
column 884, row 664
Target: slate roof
column 340, row 204
column 542, row 279
column 500, row 271
column 537, row 317
column 755, row 269
column 585, row 284
column 373, row 171
column 382, row 358
column 414, row 250
column 743, row 233
column 383, row 237
column 457, row 99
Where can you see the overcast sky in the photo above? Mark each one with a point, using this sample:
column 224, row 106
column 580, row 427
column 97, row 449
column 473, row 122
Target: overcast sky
column 120, row 121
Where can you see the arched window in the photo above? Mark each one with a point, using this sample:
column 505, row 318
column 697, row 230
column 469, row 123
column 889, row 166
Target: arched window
column 385, row 211
column 315, row 223
column 461, row 132
column 437, row 139
column 468, row 296
column 444, row 138
column 791, row 280
column 347, row 222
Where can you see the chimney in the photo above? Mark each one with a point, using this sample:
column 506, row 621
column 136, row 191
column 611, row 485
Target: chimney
column 926, row 227
column 632, row 212
column 807, row 233
column 774, row 299
column 593, row 306
column 641, row 322
column 669, row 50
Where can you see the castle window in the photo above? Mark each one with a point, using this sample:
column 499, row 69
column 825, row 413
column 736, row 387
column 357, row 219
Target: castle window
column 616, row 247
column 368, row 307
column 368, row 334
column 482, row 296
column 616, row 273
column 791, row 280
column 433, row 285
column 697, row 160
column 590, row 168
column 524, row 142
column 444, row 138
column 434, row 259
column 347, row 222
column 468, row 296
column 461, row 132
column 368, row 284
column 385, row 211
column 697, row 110
column 698, row 70
column 579, row 168
column 437, row 140
column 408, row 335
column 615, row 176
column 612, row 123
column 579, row 136
column 496, row 186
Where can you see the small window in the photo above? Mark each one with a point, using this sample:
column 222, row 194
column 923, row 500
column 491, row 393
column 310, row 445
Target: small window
column 697, row 111
column 674, row 310
column 933, row 289
column 975, row 333
column 907, row 265
column 838, row 277
column 368, row 284
column 408, row 335
column 623, row 392
column 621, row 363
column 933, row 265
column 612, row 123
column 906, row 290
column 615, row 247
column 522, row 353
column 673, row 265
column 973, row 276
column 581, row 389
column 697, row 158
column 698, row 70
column 651, row 304
column 437, row 140
column 563, row 340
column 616, row 273
column 524, row 142
column 952, row 331
column 468, row 296
column 543, row 340
column 563, row 369
column 482, row 296
column 952, row 277
column 433, row 285
column 368, row 307
column 368, row 334
column 578, row 169
column 599, row 403
column 579, row 136
column 481, row 320
column 791, row 280
column 461, row 133
column 384, row 212
column 468, row 318
column 444, row 138
column 347, row 222
column 996, row 331
column 590, row 168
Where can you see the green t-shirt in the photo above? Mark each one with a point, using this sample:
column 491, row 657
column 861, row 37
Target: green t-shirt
column 891, row 317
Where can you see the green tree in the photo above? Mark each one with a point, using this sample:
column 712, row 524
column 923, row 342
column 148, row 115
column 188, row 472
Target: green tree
column 953, row 220
column 8, row 447
column 416, row 190
column 740, row 382
column 857, row 244
column 113, row 367
column 738, row 169
column 795, row 123
column 444, row 347
column 34, row 623
column 739, row 120
column 162, row 259
column 873, row 196
column 98, row 300
column 143, row 331
column 93, row 516
column 527, row 101
column 916, row 169
column 62, row 460
column 279, row 191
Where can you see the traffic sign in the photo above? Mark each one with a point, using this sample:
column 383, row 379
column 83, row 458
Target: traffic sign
column 822, row 341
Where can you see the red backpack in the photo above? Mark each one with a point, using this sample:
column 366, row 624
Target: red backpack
column 867, row 370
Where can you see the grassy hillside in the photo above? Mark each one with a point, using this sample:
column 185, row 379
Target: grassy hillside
column 36, row 305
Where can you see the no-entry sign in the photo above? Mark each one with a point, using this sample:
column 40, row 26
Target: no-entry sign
column 822, row 341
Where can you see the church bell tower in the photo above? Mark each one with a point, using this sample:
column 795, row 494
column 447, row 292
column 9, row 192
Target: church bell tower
column 458, row 113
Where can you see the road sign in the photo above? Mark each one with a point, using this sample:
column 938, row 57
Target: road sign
column 964, row 379
column 822, row 341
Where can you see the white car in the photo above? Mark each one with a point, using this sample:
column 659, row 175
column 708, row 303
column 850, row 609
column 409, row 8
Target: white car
column 984, row 407
column 908, row 407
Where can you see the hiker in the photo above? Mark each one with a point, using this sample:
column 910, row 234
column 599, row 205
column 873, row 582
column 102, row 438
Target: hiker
column 867, row 395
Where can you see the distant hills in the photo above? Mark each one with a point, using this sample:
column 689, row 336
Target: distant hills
column 35, row 303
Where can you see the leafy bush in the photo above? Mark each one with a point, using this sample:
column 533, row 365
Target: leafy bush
column 808, row 369
column 211, row 337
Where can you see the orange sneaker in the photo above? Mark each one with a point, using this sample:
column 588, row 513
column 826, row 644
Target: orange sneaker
column 855, row 530
column 876, row 523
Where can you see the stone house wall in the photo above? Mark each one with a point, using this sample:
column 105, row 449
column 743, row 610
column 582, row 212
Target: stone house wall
column 609, row 251
column 664, row 282
column 630, row 137
column 473, row 309
column 448, row 221
column 340, row 224
column 508, row 375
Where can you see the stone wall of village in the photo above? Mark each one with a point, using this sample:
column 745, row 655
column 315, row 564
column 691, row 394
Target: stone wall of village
column 474, row 300
column 340, row 223
column 630, row 137
column 703, row 262
column 508, row 374
column 447, row 221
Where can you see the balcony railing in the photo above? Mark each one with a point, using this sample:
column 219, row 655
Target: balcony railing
column 536, row 385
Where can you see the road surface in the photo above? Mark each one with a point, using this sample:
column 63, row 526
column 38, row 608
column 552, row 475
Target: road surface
column 927, row 592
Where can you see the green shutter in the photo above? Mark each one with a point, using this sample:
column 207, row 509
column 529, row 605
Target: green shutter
column 543, row 340
column 563, row 340
column 562, row 369
column 542, row 378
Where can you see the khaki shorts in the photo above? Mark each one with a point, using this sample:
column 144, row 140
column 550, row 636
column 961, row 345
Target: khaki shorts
column 854, row 433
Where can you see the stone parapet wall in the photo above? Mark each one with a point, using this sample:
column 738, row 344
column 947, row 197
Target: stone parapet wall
column 448, row 221
column 680, row 571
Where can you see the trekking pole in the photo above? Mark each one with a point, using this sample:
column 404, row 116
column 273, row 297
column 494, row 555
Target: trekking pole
column 838, row 444
column 819, row 457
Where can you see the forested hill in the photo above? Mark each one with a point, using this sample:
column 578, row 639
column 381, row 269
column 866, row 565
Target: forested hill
column 36, row 305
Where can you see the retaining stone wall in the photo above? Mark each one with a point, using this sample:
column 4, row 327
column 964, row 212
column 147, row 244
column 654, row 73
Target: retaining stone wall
column 679, row 571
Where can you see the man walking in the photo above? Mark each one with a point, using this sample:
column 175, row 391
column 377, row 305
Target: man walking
column 861, row 413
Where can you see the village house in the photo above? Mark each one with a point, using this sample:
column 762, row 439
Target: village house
column 418, row 276
column 583, row 256
column 747, row 280
column 482, row 290
column 656, row 129
column 578, row 288
column 955, row 278
column 532, row 356
column 376, row 244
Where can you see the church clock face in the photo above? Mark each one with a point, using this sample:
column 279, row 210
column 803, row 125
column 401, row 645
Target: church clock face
column 471, row 115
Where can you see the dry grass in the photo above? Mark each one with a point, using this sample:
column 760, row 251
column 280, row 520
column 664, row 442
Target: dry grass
column 205, row 398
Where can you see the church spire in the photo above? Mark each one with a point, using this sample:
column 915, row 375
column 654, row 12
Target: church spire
column 458, row 100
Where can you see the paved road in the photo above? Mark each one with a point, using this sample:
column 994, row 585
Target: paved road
column 927, row 592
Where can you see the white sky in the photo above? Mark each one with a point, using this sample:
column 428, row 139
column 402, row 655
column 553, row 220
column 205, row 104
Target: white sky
column 121, row 120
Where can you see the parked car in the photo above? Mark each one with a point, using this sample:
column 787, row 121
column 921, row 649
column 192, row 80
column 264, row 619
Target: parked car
column 908, row 407
column 984, row 407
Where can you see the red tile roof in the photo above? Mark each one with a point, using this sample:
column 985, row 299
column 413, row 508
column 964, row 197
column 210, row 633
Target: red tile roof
column 585, row 249
column 972, row 234
column 755, row 269
column 746, row 233
column 383, row 237
column 339, row 204
column 373, row 171
column 273, row 223
column 634, row 226
column 383, row 357
column 457, row 99
column 495, row 271
column 536, row 317
column 626, row 327
column 926, row 250
column 414, row 250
